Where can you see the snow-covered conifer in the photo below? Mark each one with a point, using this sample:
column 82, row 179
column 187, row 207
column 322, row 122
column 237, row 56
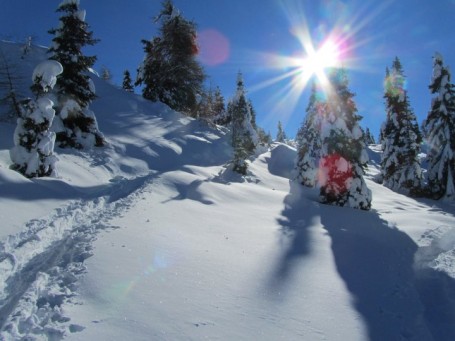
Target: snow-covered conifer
column 369, row 138
column 170, row 71
column 75, row 124
column 127, row 84
column 32, row 154
column 439, row 128
column 280, row 135
column 401, row 138
column 244, row 136
column 343, row 154
column 309, row 139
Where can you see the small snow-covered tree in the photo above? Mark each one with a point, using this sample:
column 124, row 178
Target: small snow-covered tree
column 439, row 128
column 106, row 74
column 343, row 154
column 401, row 137
column 244, row 136
column 76, row 125
column 309, row 139
column 32, row 154
column 170, row 71
column 369, row 138
column 280, row 135
column 127, row 84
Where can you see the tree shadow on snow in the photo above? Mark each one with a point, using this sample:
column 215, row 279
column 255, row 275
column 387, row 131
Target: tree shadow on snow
column 296, row 218
column 397, row 299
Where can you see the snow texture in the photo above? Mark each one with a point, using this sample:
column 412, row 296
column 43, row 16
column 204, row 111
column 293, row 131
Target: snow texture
column 46, row 73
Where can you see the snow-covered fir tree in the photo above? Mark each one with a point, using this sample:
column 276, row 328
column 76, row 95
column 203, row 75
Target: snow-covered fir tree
column 308, row 139
column 244, row 136
column 368, row 137
column 106, row 74
column 343, row 153
column 75, row 124
column 401, row 137
column 127, row 83
column 280, row 135
column 32, row 154
column 170, row 71
column 439, row 130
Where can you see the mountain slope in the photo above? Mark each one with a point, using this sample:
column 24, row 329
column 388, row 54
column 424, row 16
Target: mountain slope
column 153, row 237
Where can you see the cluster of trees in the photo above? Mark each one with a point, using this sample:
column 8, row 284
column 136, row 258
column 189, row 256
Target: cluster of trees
column 401, row 137
column 331, row 145
column 60, row 112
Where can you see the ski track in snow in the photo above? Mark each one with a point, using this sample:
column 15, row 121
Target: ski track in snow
column 39, row 267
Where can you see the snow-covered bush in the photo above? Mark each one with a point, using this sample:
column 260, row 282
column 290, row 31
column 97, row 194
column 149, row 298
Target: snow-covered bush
column 32, row 154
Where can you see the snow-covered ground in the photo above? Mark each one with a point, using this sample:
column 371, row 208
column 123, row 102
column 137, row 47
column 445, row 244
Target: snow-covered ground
column 154, row 238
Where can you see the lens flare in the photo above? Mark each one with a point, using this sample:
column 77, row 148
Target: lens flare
column 214, row 47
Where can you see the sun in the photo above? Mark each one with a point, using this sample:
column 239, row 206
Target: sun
column 317, row 61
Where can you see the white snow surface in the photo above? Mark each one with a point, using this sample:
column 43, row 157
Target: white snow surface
column 154, row 238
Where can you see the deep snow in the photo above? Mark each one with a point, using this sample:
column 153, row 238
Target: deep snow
column 153, row 237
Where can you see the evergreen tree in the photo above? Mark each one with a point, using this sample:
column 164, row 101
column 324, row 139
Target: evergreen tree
column 343, row 154
column 32, row 154
column 170, row 72
column 401, row 138
column 439, row 128
column 309, row 139
column 244, row 137
column 369, row 138
column 75, row 89
column 106, row 74
column 127, row 84
column 280, row 135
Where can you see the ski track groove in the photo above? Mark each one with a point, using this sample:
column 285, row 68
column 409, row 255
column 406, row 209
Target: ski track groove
column 39, row 267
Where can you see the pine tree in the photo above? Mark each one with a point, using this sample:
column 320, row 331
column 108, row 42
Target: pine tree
column 127, row 84
column 369, row 139
column 32, row 154
column 106, row 74
column 401, row 137
column 280, row 135
column 75, row 89
column 439, row 128
column 244, row 137
column 170, row 72
column 343, row 154
column 309, row 139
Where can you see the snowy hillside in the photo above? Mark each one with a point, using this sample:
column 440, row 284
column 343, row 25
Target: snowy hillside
column 154, row 238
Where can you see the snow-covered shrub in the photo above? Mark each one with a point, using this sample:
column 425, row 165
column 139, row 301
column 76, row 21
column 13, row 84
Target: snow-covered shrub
column 32, row 154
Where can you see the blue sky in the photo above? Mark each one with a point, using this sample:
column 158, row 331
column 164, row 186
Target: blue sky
column 249, row 35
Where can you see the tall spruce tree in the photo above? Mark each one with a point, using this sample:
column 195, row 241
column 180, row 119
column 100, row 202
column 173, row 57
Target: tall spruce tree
column 244, row 136
column 127, row 84
column 170, row 72
column 343, row 154
column 401, row 137
column 309, row 139
column 75, row 89
column 439, row 129
column 369, row 138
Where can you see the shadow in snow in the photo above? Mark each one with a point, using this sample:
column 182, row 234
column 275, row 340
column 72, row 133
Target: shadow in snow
column 190, row 191
column 397, row 300
column 297, row 216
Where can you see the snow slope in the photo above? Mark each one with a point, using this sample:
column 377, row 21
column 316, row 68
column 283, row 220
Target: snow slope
column 153, row 237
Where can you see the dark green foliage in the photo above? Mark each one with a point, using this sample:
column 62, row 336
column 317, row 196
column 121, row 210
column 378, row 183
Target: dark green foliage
column 170, row 72
column 401, row 137
column 127, row 84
